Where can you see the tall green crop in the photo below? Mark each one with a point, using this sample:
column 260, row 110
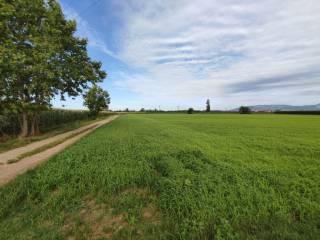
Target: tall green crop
column 175, row 176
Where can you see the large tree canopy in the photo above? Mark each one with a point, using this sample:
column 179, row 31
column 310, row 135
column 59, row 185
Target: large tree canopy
column 40, row 58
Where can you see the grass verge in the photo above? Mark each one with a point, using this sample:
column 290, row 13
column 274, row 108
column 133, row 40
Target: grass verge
column 45, row 147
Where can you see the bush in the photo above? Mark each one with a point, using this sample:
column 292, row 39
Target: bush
column 244, row 110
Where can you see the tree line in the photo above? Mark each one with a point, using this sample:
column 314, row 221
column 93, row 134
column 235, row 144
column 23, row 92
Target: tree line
column 41, row 59
column 242, row 110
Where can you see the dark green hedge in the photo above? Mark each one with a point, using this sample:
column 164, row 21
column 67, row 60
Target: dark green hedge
column 298, row 112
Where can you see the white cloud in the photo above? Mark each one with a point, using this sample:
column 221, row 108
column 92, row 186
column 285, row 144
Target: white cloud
column 191, row 50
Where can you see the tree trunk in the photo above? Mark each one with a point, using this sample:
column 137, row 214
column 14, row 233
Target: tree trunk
column 37, row 129
column 24, row 124
column 35, row 125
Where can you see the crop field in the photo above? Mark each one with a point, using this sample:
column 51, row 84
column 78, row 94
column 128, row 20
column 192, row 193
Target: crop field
column 175, row 176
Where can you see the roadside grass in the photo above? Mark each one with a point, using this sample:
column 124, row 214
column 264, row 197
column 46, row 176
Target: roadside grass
column 15, row 142
column 47, row 146
column 175, row 176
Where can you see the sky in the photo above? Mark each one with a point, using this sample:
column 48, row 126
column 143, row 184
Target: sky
column 176, row 54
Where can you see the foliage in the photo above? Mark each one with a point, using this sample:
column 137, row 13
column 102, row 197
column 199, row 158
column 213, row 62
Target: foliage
column 47, row 120
column 190, row 111
column 204, row 176
column 4, row 123
column 244, row 110
column 96, row 99
column 40, row 58
column 208, row 105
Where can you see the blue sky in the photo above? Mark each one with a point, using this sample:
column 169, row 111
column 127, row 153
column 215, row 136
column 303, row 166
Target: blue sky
column 179, row 53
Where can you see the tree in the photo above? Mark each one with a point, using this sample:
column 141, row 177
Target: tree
column 3, row 123
column 208, row 105
column 190, row 111
column 96, row 99
column 40, row 58
column 244, row 110
column 142, row 110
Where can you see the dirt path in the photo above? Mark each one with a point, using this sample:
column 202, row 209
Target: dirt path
column 10, row 171
column 14, row 153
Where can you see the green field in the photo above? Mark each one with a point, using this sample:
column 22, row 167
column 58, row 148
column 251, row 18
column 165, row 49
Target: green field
column 175, row 176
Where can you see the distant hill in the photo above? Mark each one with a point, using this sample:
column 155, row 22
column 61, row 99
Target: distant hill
column 272, row 108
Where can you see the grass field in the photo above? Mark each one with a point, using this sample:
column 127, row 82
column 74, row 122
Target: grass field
column 175, row 176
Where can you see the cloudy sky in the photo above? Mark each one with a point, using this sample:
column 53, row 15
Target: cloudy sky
column 176, row 54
